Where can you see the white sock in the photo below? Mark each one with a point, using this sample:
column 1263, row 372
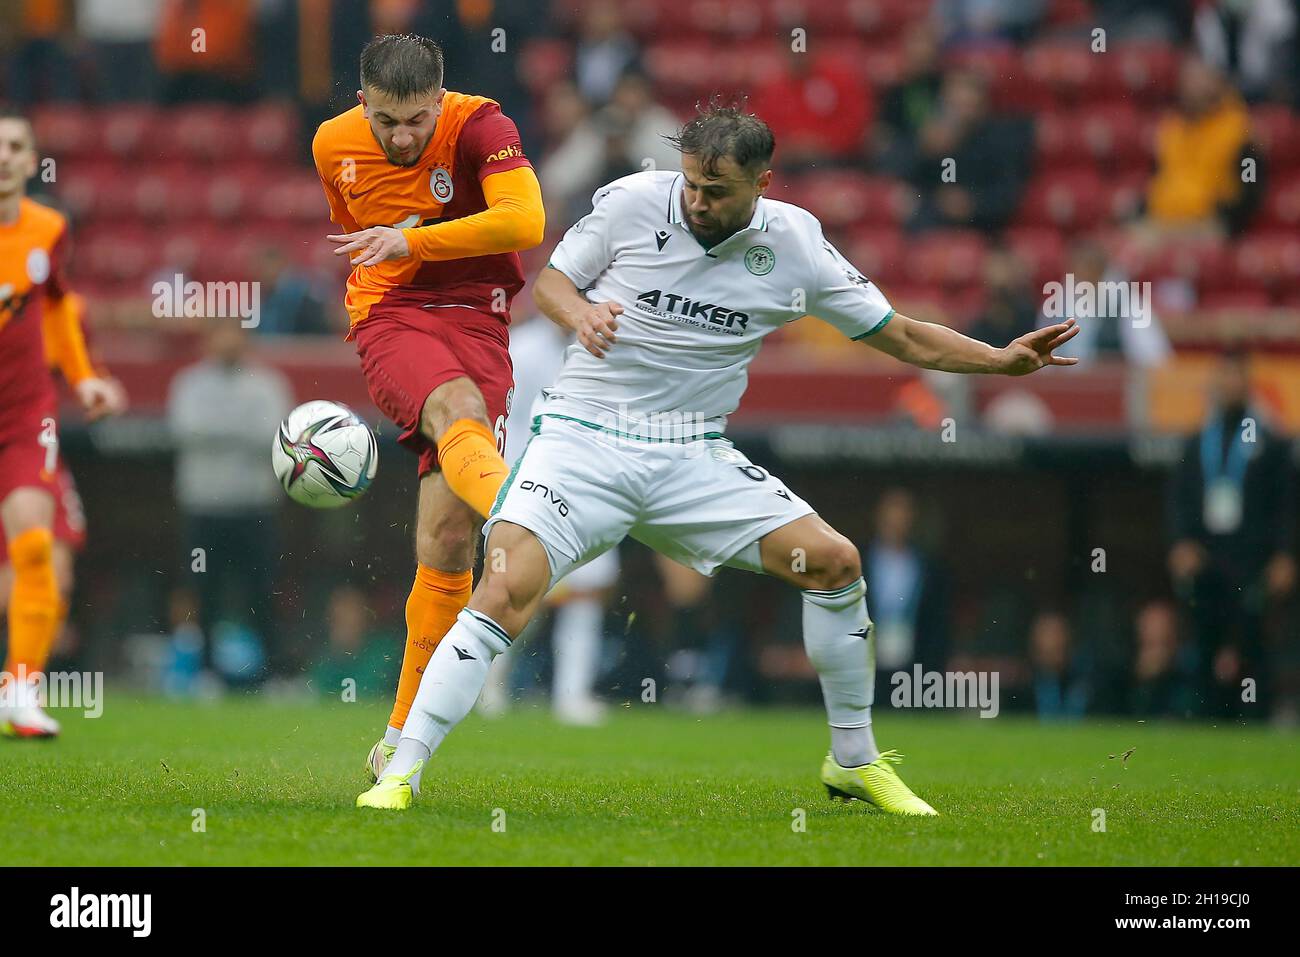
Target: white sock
column 392, row 735
column 449, row 687
column 576, row 647
column 836, row 635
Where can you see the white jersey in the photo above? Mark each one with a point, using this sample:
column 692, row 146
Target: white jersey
column 537, row 353
column 693, row 318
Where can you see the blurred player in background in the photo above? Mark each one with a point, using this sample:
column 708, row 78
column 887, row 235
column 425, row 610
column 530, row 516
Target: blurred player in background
column 579, row 602
column 37, row 317
column 437, row 199
column 69, row 517
column 685, row 274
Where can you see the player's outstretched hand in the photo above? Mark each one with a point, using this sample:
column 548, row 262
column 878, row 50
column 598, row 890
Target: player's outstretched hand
column 377, row 244
column 97, row 398
column 596, row 327
column 1033, row 350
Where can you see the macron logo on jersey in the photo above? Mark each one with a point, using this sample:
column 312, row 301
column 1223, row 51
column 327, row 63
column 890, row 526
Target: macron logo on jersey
column 703, row 314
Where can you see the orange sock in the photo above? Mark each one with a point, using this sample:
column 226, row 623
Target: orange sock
column 34, row 602
column 436, row 599
column 471, row 464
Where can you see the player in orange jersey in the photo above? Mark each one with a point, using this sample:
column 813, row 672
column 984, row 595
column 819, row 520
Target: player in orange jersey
column 34, row 309
column 69, row 517
column 437, row 199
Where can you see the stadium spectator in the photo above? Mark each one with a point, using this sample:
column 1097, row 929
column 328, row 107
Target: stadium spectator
column 908, row 105
column 216, row 62
column 647, row 121
column 1197, row 185
column 574, row 149
column 1161, row 684
column 985, row 22
column 1009, row 307
column 356, row 651
column 605, row 50
column 35, row 43
column 1116, row 317
column 1231, row 517
column 293, row 301
column 594, row 149
column 117, row 36
column 909, row 602
column 221, row 410
column 1253, row 43
column 818, row 109
column 1060, row 681
column 970, row 166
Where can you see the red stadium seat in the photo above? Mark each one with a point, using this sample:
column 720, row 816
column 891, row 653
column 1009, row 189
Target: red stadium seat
column 293, row 196
column 1073, row 199
column 948, row 258
column 204, row 133
column 67, row 131
column 1269, row 258
column 1041, row 249
column 116, row 253
column 1116, row 135
column 130, row 132
column 1282, row 203
column 269, row 131
column 168, row 192
column 1066, row 70
column 846, row 198
column 1146, row 71
column 879, row 254
column 1234, row 300
column 1277, row 130
column 543, row 63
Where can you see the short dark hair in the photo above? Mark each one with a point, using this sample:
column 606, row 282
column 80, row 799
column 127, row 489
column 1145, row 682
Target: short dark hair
column 721, row 129
column 13, row 113
column 402, row 65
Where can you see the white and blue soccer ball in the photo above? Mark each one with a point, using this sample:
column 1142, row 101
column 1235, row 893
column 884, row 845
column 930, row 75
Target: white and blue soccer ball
column 324, row 454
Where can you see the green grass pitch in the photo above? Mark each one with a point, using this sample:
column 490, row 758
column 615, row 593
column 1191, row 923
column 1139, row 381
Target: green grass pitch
column 276, row 784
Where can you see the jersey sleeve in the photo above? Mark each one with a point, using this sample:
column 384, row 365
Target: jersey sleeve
column 56, row 286
column 844, row 297
column 586, row 250
column 489, row 142
column 338, row 207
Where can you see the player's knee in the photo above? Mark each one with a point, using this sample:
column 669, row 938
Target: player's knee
column 835, row 564
column 449, row 403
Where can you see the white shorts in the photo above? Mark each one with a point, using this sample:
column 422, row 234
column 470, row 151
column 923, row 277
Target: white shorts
column 581, row 490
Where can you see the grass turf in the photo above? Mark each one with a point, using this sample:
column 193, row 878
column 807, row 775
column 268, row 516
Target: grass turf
column 276, row 783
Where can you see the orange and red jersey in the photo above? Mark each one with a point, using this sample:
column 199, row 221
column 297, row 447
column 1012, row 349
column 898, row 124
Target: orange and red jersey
column 472, row 140
column 32, row 251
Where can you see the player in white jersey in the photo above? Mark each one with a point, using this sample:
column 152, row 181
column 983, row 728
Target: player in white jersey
column 671, row 283
column 577, row 603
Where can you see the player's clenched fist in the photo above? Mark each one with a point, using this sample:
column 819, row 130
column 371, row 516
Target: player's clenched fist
column 377, row 244
column 100, row 397
column 596, row 327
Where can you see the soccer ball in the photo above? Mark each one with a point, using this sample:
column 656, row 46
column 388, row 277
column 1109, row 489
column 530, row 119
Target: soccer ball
column 324, row 454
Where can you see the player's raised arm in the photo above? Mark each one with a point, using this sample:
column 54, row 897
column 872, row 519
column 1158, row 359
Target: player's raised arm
column 515, row 220
column 851, row 302
column 933, row 346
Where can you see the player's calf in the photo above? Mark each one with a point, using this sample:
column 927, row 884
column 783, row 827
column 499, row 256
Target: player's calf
column 516, row 574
